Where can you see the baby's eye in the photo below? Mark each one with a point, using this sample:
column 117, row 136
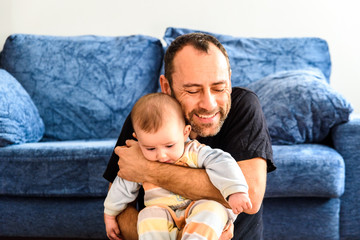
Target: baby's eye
column 150, row 149
column 170, row 146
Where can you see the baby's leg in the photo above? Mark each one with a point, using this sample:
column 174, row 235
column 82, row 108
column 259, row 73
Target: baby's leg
column 155, row 222
column 206, row 219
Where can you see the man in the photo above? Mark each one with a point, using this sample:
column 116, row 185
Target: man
column 198, row 75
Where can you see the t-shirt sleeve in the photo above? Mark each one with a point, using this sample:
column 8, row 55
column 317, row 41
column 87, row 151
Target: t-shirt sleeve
column 246, row 134
column 112, row 167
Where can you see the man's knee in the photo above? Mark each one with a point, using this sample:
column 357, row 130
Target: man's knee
column 127, row 221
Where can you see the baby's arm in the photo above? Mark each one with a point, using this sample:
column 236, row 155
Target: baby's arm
column 120, row 194
column 112, row 228
column 226, row 175
column 239, row 202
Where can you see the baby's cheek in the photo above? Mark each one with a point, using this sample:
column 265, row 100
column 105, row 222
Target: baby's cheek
column 148, row 156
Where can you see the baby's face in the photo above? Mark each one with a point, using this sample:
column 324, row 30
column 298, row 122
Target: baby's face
column 166, row 145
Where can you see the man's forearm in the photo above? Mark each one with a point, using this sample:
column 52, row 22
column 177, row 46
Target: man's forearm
column 191, row 183
column 188, row 182
column 255, row 174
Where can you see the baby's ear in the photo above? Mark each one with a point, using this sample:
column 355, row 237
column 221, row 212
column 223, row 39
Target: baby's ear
column 134, row 135
column 187, row 130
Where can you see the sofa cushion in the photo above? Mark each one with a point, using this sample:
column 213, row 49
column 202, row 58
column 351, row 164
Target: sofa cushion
column 20, row 121
column 252, row 59
column 52, row 218
column 74, row 168
column 300, row 106
column 84, row 87
column 306, row 170
column 65, row 168
column 304, row 218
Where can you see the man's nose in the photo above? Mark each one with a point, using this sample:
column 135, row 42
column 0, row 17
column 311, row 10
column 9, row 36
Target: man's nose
column 208, row 101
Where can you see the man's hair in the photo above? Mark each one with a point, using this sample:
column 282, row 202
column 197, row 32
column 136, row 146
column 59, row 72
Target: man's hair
column 151, row 111
column 199, row 41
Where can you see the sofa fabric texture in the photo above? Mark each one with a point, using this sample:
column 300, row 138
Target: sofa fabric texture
column 301, row 218
column 20, row 121
column 55, row 169
column 252, row 59
column 83, row 88
column 346, row 139
column 306, row 170
column 300, row 106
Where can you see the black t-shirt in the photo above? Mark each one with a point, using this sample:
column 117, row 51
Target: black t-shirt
column 244, row 135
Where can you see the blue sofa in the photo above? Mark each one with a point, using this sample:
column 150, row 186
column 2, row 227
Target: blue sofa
column 63, row 101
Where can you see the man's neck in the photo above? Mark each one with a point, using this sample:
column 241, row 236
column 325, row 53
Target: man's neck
column 193, row 135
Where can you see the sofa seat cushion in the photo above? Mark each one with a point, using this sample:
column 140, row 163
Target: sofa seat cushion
column 66, row 168
column 306, row 170
column 84, row 86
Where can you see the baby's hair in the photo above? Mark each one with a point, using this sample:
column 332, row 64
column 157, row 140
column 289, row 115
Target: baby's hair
column 151, row 111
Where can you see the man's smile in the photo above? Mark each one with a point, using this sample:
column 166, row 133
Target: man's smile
column 207, row 118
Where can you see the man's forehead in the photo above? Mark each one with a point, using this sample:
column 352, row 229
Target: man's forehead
column 192, row 50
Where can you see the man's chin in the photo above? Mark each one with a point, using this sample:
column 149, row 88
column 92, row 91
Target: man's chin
column 207, row 131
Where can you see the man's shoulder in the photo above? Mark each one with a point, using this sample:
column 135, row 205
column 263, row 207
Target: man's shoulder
column 244, row 97
column 241, row 91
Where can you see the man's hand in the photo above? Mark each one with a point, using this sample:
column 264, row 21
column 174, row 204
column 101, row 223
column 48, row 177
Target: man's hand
column 112, row 228
column 239, row 202
column 132, row 164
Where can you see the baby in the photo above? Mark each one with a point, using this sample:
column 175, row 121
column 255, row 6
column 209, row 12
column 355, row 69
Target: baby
column 162, row 134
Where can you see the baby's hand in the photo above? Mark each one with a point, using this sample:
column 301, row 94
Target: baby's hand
column 239, row 202
column 112, row 228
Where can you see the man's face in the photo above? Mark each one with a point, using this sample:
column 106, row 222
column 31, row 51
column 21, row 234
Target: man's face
column 201, row 83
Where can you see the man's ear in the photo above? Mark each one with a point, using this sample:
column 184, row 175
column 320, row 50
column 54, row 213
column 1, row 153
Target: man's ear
column 187, row 130
column 230, row 72
column 165, row 85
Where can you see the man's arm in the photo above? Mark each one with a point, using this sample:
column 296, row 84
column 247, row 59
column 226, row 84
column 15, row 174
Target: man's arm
column 127, row 221
column 255, row 171
column 195, row 183
column 188, row 182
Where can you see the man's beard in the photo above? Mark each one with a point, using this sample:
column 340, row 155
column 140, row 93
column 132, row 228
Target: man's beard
column 202, row 130
column 199, row 130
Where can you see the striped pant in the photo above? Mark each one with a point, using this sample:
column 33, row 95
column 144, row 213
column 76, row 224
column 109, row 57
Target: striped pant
column 203, row 219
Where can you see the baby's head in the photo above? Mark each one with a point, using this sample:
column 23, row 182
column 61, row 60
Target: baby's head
column 160, row 128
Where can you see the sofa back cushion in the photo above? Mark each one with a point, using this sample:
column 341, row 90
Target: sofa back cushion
column 252, row 59
column 300, row 106
column 85, row 86
column 20, row 121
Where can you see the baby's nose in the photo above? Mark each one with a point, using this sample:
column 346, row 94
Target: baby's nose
column 161, row 156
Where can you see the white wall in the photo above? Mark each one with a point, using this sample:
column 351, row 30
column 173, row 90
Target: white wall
column 336, row 21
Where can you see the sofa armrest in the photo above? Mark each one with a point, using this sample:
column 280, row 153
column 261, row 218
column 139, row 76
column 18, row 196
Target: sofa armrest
column 346, row 139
